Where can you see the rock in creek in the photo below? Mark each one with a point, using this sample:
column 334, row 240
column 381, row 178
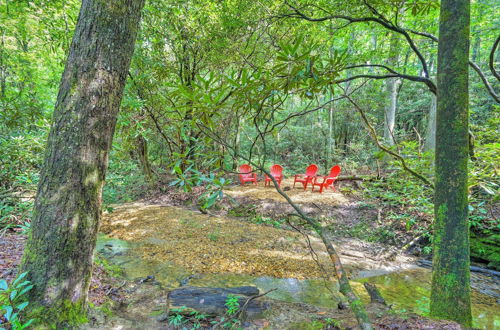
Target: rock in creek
column 212, row 300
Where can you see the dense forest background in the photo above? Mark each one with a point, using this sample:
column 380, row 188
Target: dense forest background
column 211, row 81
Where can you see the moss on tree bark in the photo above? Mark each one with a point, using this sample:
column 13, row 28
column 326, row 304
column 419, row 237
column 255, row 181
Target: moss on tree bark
column 450, row 297
column 58, row 255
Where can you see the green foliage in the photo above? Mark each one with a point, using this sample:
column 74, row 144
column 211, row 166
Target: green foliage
column 13, row 302
column 243, row 210
column 181, row 317
column 124, row 182
column 15, row 214
column 259, row 219
column 214, row 187
column 422, row 306
column 177, row 319
column 232, row 304
column 110, row 269
column 214, row 235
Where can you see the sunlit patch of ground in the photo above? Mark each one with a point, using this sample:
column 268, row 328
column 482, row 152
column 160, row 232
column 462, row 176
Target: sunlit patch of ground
column 297, row 194
column 206, row 244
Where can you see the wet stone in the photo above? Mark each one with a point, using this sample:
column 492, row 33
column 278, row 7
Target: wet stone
column 162, row 317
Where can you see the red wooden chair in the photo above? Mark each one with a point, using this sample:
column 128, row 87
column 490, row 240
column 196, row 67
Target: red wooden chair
column 277, row 174
column 246, row 174
column 327, row 181
column 311, row 171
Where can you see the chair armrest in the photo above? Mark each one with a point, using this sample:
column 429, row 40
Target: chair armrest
column 316, row 177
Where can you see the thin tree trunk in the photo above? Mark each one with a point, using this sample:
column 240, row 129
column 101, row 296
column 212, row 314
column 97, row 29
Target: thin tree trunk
column 237, row 139
column 450, row 295
column 392, row 93
column 331, row 140
column 476, row 48
column 59, row 253
column 3, row 69
column 142, row 152
column 430, row 135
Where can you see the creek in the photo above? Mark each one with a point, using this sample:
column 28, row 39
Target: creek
column 407, row 288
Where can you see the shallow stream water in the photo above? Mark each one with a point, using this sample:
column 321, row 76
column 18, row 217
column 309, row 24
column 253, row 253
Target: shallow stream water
column 407, row 290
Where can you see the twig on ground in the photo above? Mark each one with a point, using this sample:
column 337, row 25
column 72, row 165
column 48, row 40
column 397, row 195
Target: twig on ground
column 240, row 314
column 114, row 290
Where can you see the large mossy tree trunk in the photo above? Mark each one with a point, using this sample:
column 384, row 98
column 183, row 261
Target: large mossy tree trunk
column 67, row 212
column 450, row 296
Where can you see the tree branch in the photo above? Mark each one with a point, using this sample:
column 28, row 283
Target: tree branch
column 345, row 288
column 492, row 58
column 393, row 74
column 486, row 83
column 476, row 68
column 373, row 134
column 381, row 20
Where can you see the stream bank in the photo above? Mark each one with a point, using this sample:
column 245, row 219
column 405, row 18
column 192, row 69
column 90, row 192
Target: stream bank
column 173, row 244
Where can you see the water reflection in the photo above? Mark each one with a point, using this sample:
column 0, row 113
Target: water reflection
column 407, row 290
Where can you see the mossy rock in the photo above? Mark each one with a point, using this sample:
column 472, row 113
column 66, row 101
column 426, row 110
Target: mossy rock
column 486, row 249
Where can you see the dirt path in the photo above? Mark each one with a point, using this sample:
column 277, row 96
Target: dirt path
column 297, row 194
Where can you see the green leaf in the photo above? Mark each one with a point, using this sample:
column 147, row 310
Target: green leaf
column 13, row 294
column 20, row 285
column 3, row 285
column 27, row 324
column 26, row 289
column 22, row 306
column 20, row 277
column 8, row 312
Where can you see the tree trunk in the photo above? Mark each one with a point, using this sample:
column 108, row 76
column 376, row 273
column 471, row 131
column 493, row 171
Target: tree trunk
column 142, row 153
column 59, row 253
column 392, row 93
column 476, row 48
column 331, row 140
column 237, row 141
column 430, row 135
column 450, row 296
column 3, row 69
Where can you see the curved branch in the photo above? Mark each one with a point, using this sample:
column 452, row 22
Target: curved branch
column 476, row 68
column 394, row 74
column 339, row 272
column 485, row 81
column 492, row 58
column 424, row 34
column 381, row 20
column 405, row 32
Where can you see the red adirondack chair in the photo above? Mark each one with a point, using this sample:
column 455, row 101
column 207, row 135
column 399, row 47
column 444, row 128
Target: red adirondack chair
column 311, row 171
column 277, row 173
column 327, row 181
column 246, row 174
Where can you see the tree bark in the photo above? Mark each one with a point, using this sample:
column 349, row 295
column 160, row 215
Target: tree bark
column 450, row 296
column 430, row 134
column 237, row 141
column 331, row 141
column 59, row 253
column 476, row 48
column 3, row 69
column 392, row 93
column 142, row 153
